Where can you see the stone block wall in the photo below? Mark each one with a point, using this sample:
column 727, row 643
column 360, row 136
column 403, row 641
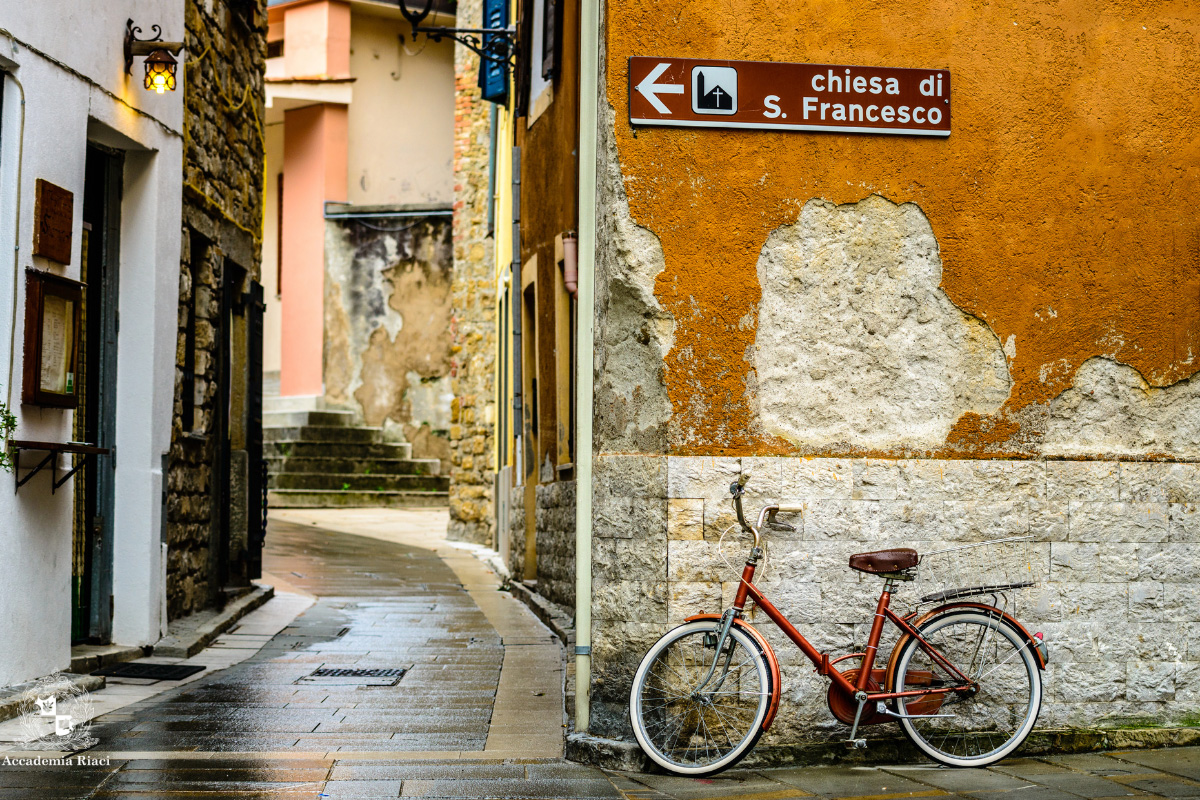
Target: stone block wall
column 388, row 325
column 556, row 542
column 473, row 299
column 190, row 580
column 222, row 217
column 516, row 534
column 1114, row 545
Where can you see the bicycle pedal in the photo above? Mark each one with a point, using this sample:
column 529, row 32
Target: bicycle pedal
column 856, row 744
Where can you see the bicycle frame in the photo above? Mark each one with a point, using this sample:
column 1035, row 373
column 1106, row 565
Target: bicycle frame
column 747, row 590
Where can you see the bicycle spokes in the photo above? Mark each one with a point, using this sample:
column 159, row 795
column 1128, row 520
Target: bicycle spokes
column 700, row 700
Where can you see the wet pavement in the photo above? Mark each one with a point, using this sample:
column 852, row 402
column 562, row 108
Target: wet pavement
column 477, row 712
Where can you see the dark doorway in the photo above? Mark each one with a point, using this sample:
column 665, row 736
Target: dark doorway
column 95, row 419
column 256, row 478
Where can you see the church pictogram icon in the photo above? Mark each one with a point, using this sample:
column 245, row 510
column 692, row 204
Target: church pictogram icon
column 714, row 90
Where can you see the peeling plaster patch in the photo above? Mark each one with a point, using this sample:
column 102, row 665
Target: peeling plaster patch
column 1111, row 409
column 1010, row 347
column 633, row 332
column 429, row 400
column 857, row 346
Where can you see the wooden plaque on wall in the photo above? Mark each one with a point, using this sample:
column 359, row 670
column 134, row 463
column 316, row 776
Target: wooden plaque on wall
column 53, row 213
column 52, row 315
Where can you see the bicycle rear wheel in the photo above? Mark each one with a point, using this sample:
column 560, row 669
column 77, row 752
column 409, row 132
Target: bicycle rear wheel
column 687, row 724
column 983, row 727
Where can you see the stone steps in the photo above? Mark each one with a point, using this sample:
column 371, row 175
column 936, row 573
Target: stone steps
column 287, row 449
column 355, row 466
column 287, row 419
column 304, row 498
column 323, row 433
column 321, row 458
column 340, row 482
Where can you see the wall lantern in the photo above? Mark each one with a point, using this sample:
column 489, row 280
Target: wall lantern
column 160, row 63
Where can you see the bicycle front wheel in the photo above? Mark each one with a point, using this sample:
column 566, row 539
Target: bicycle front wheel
column 980, row 728
column 697, row 711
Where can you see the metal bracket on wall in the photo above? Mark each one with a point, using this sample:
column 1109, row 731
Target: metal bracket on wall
column 493, row 45
column 583, row 650
column 52, row 449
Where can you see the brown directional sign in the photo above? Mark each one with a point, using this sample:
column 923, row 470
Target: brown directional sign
column 766, row 95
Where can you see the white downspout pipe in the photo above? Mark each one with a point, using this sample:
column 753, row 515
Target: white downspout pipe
column 589, row 87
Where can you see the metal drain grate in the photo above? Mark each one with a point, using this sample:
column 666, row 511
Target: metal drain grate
column 330, row 672
column 348, row 676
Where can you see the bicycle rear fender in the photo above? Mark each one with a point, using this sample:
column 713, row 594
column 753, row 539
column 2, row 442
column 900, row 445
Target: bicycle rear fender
column 772, row 661
column 985, row 608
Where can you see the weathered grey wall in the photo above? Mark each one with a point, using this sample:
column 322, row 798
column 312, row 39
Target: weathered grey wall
column 556, row 542
column 387, row 325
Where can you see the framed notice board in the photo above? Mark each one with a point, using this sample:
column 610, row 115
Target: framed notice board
column 52, row 314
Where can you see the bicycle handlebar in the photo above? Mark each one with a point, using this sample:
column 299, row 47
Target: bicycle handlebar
column 736, row 490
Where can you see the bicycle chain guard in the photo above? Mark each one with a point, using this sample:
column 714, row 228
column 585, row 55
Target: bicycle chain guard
column 843, row 705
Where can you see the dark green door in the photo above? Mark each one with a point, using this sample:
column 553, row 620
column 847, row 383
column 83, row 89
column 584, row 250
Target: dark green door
column 95, row 419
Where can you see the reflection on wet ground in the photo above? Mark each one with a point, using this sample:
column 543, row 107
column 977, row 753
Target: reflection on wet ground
column 380, row 605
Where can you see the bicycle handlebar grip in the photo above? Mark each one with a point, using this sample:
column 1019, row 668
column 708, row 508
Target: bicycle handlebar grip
column 743, row 479
column 790, row 509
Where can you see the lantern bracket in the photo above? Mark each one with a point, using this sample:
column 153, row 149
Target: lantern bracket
column 144, row 47
column 492, row 45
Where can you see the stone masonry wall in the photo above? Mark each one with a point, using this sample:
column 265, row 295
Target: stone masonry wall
column 1115, row 542
column 387, row 326
column 516, row 536
column 190, row 584
column 473, row 297
column 556, row 542
column 222, row 87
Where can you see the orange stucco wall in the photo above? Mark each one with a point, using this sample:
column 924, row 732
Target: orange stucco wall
column 314, row 166
column 1063, row 202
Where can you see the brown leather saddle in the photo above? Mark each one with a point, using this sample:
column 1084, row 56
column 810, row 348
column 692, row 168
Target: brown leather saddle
column 885, row 561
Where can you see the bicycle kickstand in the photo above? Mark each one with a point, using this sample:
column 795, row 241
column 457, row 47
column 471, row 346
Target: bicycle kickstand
column 853, row 742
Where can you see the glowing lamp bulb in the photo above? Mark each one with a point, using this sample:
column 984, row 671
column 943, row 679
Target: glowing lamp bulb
column 160, row 71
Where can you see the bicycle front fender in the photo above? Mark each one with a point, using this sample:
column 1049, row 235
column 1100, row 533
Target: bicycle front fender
column 768, row 651
column 985, row 608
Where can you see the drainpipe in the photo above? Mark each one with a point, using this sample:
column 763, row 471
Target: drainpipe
column 589, row 86
column 16, row 261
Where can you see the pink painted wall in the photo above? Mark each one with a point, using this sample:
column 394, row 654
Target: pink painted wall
column 314, row 169
column 317, row 40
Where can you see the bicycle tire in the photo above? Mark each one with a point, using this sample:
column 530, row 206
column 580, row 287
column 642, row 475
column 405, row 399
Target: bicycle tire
column 988, row 725
column 720, row 731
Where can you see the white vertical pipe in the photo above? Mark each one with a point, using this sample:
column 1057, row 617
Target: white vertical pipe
column 589, row 87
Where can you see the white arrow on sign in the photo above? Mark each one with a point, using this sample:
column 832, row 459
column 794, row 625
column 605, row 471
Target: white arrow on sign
column 650, row 90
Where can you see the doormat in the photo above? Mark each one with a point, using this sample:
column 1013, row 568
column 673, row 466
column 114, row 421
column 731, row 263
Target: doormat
column 339, row 676
column 150, row 672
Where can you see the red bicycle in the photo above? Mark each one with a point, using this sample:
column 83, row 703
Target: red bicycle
column 963, row 681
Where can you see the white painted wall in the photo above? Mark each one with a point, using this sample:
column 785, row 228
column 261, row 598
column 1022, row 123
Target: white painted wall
column 61, row 111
